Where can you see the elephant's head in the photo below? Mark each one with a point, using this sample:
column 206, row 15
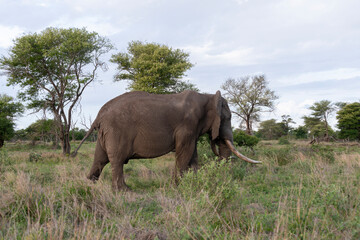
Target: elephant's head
column 221, row 132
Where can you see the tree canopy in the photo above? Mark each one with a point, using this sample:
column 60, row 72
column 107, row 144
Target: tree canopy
column 8, row 110
column 317, row 122
column 250, row 96
column 349, row 121
column 53, row 68
column 270, row 129
column 153, row 68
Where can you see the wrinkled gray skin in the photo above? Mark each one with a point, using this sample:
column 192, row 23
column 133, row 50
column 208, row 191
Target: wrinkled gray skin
column 142, row 125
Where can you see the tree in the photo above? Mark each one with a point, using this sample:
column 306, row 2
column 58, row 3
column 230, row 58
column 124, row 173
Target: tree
column 317, row 123
column 8, row 110
column 270, row 129
column 243, row 139
column 44, row 130
column 285, row 124
column 53, row 68
column 250, row 96
column 349, row 121
column 153, row 68
column 300, row 132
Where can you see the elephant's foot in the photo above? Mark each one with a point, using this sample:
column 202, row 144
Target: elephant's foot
column 92, row 178
column 120, row 185
column 121, row 188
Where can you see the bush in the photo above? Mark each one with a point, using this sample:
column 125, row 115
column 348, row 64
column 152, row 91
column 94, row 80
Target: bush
column 283, row 141
column 34, row 157
column 242, row 139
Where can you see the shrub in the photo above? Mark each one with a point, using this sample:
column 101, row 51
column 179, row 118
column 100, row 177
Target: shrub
column 242, row 139
column 283, row 141
column 34, row 157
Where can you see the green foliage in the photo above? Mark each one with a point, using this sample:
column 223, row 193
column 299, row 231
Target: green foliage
column 153, row 68
column 8, row 110
column 300, row 132
column 317, row 122
column 327, row 153
column 285, row 124
column 243, row 139
column 284, row 141
column 34, row 157
column 270, row 129
column 77, row 134
column 279, row 156
column 211, row 184
column 53, row 68
column 250, row 96
column 4, row 159
column 43, row 129
column 349, row 121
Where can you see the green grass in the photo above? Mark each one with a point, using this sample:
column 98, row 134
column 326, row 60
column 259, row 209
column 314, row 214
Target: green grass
column 299, row 192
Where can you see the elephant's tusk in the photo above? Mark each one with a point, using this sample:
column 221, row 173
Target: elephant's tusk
column 214, row 149
column 239, row 155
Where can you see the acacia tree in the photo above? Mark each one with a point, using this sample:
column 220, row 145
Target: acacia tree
column 285, row 124
column 152, row 67
column 250, row 96
column 317, row 122
column 53, row 68
column 8, row 110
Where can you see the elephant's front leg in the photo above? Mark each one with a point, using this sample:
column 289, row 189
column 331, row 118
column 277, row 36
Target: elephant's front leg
column 185, row 155
column 194, row 160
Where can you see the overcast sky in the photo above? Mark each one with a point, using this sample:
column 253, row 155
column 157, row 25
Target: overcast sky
column 309, row 50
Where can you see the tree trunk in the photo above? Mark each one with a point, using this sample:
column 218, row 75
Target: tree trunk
column 66, row 144
column 326, row 131
column 1, row 143
column 248, row 127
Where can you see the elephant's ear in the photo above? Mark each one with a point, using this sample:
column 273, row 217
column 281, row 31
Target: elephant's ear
column 215, row 127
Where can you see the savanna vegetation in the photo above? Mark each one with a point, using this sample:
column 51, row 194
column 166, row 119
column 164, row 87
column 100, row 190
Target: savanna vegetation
column 300, row 191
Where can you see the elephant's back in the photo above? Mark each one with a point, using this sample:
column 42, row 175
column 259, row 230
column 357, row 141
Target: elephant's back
column 143, row 106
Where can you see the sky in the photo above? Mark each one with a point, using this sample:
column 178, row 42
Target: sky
column 309, row 50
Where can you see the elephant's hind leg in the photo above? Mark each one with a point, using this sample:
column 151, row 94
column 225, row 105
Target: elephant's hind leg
column 100, row 160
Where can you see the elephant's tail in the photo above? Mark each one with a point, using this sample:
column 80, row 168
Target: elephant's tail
column 93, row 126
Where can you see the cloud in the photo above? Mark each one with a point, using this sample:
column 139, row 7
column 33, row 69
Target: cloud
column 320, row 76
column 208, row 54
column 100, row 25
column 241, row 1
column 8, row 34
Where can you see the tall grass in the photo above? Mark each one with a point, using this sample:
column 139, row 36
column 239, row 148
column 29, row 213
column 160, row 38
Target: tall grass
column 299, row 192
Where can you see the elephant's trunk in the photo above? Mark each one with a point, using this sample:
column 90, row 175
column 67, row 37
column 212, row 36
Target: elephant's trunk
column 239, row 155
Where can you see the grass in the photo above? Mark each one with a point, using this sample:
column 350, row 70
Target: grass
column 299, row 192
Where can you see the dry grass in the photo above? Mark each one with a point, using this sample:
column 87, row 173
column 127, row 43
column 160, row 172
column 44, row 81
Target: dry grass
column 300, row 192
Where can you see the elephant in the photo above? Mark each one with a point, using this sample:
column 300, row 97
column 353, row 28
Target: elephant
column 143, row 125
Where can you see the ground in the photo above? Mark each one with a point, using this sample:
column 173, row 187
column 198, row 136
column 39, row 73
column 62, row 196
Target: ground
column 299, row 192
